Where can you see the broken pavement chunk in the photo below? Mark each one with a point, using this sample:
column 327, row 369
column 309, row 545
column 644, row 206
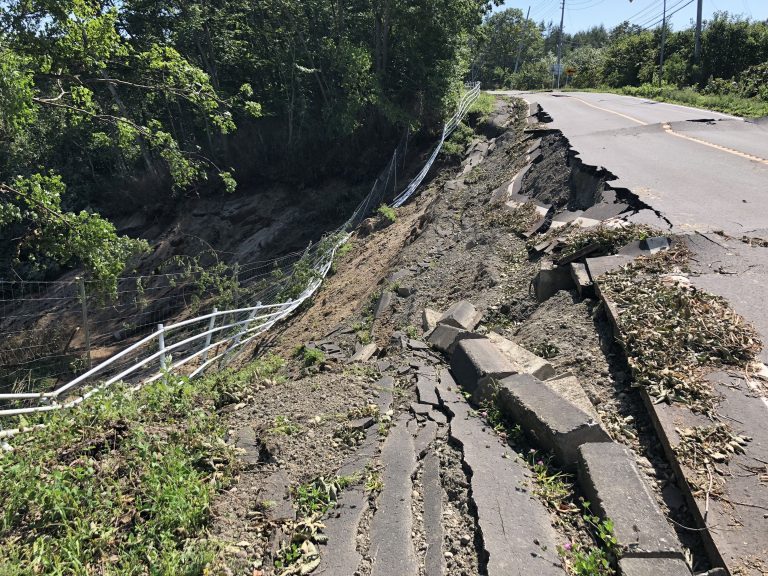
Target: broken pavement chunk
column 461, row 315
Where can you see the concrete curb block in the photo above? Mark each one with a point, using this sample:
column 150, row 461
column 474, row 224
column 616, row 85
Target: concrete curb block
column 522, row 360
column 474, row 360
column 557, row 424
column 445, row 337
column 653, row 567
column 611, row 481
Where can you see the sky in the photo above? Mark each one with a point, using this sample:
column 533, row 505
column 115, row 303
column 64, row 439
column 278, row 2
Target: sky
column 581, row 14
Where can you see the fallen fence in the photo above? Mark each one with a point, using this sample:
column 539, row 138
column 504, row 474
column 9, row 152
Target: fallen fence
column 220, row 334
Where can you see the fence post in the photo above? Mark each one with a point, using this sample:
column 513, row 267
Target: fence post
column 161, row 345
column 208, row 337
column 84, row 306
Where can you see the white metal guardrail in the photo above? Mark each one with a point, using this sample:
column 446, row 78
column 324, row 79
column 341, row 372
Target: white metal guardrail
column 200, row 337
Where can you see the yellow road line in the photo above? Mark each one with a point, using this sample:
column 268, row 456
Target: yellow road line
column 610, row 111
column 668, row 129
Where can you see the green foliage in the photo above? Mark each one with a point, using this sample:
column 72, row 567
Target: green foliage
column 387, row 213
column 118, row 483
column 456, row 145
column 483, row 106
column 283, row 425
column 717, row 98
column 310, row 356
column 51, row 234
column 319, row 495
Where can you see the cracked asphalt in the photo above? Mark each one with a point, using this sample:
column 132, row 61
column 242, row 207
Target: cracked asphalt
column 701, row 175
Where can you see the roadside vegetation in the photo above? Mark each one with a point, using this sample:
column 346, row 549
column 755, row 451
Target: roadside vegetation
column 731, row 76
column 125, row 481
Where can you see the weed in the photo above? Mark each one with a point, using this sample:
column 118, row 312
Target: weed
column 284, row 426
column 387, row 213
column 345, row 249
column 552, row 485
column 309, row 356
column 546, row 349
column 453, row 149
column 374, row 482
column 411, row 331
column 319, row 495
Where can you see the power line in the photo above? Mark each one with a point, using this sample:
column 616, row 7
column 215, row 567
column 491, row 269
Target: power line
column 669, row 14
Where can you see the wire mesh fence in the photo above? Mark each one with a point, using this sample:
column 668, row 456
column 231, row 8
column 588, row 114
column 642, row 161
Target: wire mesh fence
column 61, row 342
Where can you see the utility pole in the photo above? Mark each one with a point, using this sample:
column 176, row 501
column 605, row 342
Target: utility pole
column 663, row 40
column 697, row 44
column 520, row 45
column 560, row 42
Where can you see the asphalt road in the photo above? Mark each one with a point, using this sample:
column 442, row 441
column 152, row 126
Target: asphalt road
column 702, row 176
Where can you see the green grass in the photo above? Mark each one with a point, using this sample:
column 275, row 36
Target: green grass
column 121, row 485
column 387, row 213
column 483, row 106
column 727, row 104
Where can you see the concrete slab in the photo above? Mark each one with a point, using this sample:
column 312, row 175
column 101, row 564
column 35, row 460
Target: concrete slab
column 339, row 554
column 557, row 425
column 580, row 253
column 476, row 359
column 521, row 359
column 276, row 491
column 434, row 561
column 391, row 545
column 517, row 533
column 461, row 315
column 737, row 538
column 365, row 353
column 604, row 210
column 611, row 481
column 425, row 388
column 447, row 389
column 653, row 567
column 424, row 437
column 603, row 264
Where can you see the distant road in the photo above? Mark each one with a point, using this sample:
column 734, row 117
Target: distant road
column 702, row 176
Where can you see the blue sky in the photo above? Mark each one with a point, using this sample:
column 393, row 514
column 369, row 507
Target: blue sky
column 581, row 14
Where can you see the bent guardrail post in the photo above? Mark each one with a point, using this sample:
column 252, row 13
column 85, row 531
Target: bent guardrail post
column 207, row 344
column 161, row 346
column 84, row 305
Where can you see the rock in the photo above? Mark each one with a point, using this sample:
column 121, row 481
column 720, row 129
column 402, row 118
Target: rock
column 429, row 319
column 365, row 353
column 461, row 315
column 382, row 306
column 405, row 291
